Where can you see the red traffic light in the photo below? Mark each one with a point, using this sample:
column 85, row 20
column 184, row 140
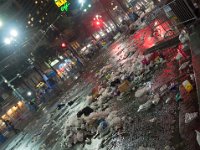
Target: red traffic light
column 97, row 23
column 63, row 45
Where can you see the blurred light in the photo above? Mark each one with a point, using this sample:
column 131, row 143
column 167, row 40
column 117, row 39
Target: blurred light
column 63, row 45
column 29, row 93
column 7, row 41
column 138, row 7
column 120, row 19
column 97, row 36
column 89, row 45
column 102, row 33
column 13, row 33
column 81, row 2
column 98, row 23
column 20, row 103
column 85, row 10
column 1, row 23
column 9, row 112
column 6, row 81
column 89, row 5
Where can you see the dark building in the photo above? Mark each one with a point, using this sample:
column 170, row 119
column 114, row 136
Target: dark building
column 34, row 14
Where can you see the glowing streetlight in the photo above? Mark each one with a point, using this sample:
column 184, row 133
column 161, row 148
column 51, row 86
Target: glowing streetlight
column 29, row 93
column 13, row 33
column 10, row 39
column 7, row 41
column 81, row 1
column 1, row 23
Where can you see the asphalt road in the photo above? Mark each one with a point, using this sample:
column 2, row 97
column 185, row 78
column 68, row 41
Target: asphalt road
column 46, row 131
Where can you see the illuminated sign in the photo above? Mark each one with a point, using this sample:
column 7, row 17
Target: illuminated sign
column 65, row 7
column 62, row 4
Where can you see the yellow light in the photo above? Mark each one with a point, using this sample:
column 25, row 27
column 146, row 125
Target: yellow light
column 3, row 117
column 9, row 112
column 20, row 103
column 14, row 108
column 60, row 3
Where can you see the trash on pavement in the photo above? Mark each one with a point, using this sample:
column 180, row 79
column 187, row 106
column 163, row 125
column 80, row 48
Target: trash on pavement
column 198, row 137
column 184, row 36
column 156, row 99
column 190, row 116
column 178, row 97
column 145, row 148
column 168, row 100
column 187, row 85
column 124, row 86
column 164, row 87
column 141, row 92
column 184, row 65
column 153, row 120
column 145, row 106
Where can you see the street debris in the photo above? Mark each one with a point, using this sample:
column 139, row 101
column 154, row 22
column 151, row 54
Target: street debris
column 145, row 148
column 198, row 137
column 190, row 117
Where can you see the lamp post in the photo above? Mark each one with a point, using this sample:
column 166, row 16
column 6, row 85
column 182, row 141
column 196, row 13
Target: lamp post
column 8, row 40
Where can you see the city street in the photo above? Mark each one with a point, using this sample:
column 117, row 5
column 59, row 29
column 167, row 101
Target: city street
column 99, row 75
column 156, row 128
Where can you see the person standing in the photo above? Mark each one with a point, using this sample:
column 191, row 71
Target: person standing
column 2, row 138
column 10, row 126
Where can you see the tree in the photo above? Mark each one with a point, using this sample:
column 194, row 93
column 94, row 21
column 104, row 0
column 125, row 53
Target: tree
column 45, row 53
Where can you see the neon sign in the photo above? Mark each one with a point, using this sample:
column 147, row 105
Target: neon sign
column 65, row 7
column 62, row 4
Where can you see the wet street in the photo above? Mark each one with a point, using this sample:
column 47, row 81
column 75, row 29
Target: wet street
column 155, row 128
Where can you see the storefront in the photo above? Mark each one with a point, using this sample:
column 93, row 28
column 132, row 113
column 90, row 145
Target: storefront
column 15, row 114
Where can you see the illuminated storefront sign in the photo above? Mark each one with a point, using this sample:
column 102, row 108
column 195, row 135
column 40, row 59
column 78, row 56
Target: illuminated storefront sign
column 62, row 4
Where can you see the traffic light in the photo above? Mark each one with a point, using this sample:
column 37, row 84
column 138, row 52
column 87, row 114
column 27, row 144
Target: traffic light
column 98, row 22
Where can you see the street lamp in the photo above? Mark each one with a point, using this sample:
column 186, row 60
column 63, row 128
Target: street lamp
column 7, row 41
column 29, row 93
column 81, row 1
column 13, row 33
